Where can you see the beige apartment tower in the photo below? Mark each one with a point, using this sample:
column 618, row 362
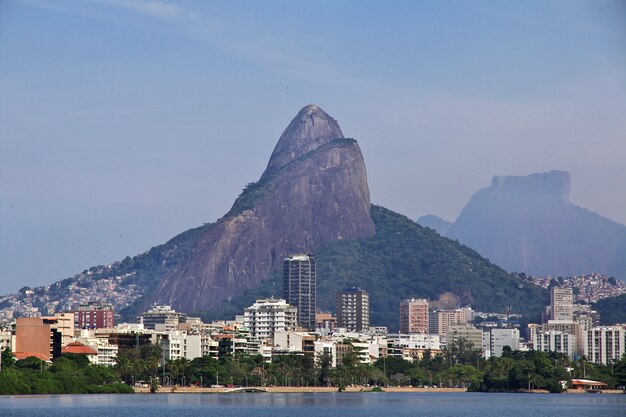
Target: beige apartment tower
column 561, row 303
column 447, row 318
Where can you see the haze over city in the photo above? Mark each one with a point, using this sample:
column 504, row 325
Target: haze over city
column 124, row 123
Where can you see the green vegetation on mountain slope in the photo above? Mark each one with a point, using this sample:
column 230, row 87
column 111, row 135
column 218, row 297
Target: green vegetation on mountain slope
column 406, row 260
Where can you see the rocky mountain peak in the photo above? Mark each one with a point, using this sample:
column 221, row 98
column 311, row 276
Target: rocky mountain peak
column 304, row 200
column 551, row 183
column 528, row 223
column 311, row 128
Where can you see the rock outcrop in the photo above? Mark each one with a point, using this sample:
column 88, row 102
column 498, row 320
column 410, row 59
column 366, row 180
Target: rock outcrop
column 314, row 191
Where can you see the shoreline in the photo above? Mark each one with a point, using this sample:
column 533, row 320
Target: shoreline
column 316, row 390
column 285, row 390
column 300, row 390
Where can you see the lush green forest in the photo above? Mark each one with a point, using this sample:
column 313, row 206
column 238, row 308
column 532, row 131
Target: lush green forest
column 405, row 260
column 612, row 310
column 68, row 374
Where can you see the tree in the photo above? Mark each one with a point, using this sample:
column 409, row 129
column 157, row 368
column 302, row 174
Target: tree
column 151, row 355
column 205, row 369
column 179, row 369
column 8, row 360
column 462, row 351
column 32, row 363
column 496, row 374
column 619, row 373
column 124, row 367
column 324, row 363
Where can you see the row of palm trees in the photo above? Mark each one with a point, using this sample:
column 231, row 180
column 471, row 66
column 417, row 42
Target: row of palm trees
column 458, row 366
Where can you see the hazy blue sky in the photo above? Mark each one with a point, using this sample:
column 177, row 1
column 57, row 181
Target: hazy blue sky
column 125, row 122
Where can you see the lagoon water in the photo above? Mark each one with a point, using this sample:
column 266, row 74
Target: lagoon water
column 316, row 404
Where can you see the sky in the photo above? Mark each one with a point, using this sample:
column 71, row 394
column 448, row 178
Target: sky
column 126, row 122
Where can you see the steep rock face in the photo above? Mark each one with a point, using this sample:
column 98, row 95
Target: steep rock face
column 528, row 224
column 314, row 191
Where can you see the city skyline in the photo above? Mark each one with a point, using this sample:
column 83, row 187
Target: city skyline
column 125, row 123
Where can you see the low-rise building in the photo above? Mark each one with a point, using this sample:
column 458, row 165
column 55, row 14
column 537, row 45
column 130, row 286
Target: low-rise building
column 107, row 353
column 161, row 318
column 296, row 342
column 77, row 348
column 466, row 332
column 177, row 344
column 326, row 348
column 412, row 346
column 501, row 338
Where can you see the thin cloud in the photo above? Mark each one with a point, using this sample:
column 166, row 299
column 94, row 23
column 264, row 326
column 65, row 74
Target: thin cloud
column 155, row 8
column 280, row 56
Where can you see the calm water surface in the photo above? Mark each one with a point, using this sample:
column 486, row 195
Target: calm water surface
column 317, row 404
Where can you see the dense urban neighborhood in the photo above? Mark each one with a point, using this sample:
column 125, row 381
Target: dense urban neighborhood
column 288, row 341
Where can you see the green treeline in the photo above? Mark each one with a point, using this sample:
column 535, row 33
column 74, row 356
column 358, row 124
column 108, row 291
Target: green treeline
column 458, row 366
column 68, row 374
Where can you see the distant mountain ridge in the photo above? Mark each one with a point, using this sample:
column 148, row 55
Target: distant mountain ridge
column 528, row 224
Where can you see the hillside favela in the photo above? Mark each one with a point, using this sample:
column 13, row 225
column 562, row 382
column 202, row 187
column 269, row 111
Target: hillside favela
column 227, row 272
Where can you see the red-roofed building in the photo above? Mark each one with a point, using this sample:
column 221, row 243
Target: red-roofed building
column 586, row 384
column 78, row 348
column 23, row 355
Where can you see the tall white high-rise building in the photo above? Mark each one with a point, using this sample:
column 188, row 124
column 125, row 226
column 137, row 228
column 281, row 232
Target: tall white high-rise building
column 299, row 287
